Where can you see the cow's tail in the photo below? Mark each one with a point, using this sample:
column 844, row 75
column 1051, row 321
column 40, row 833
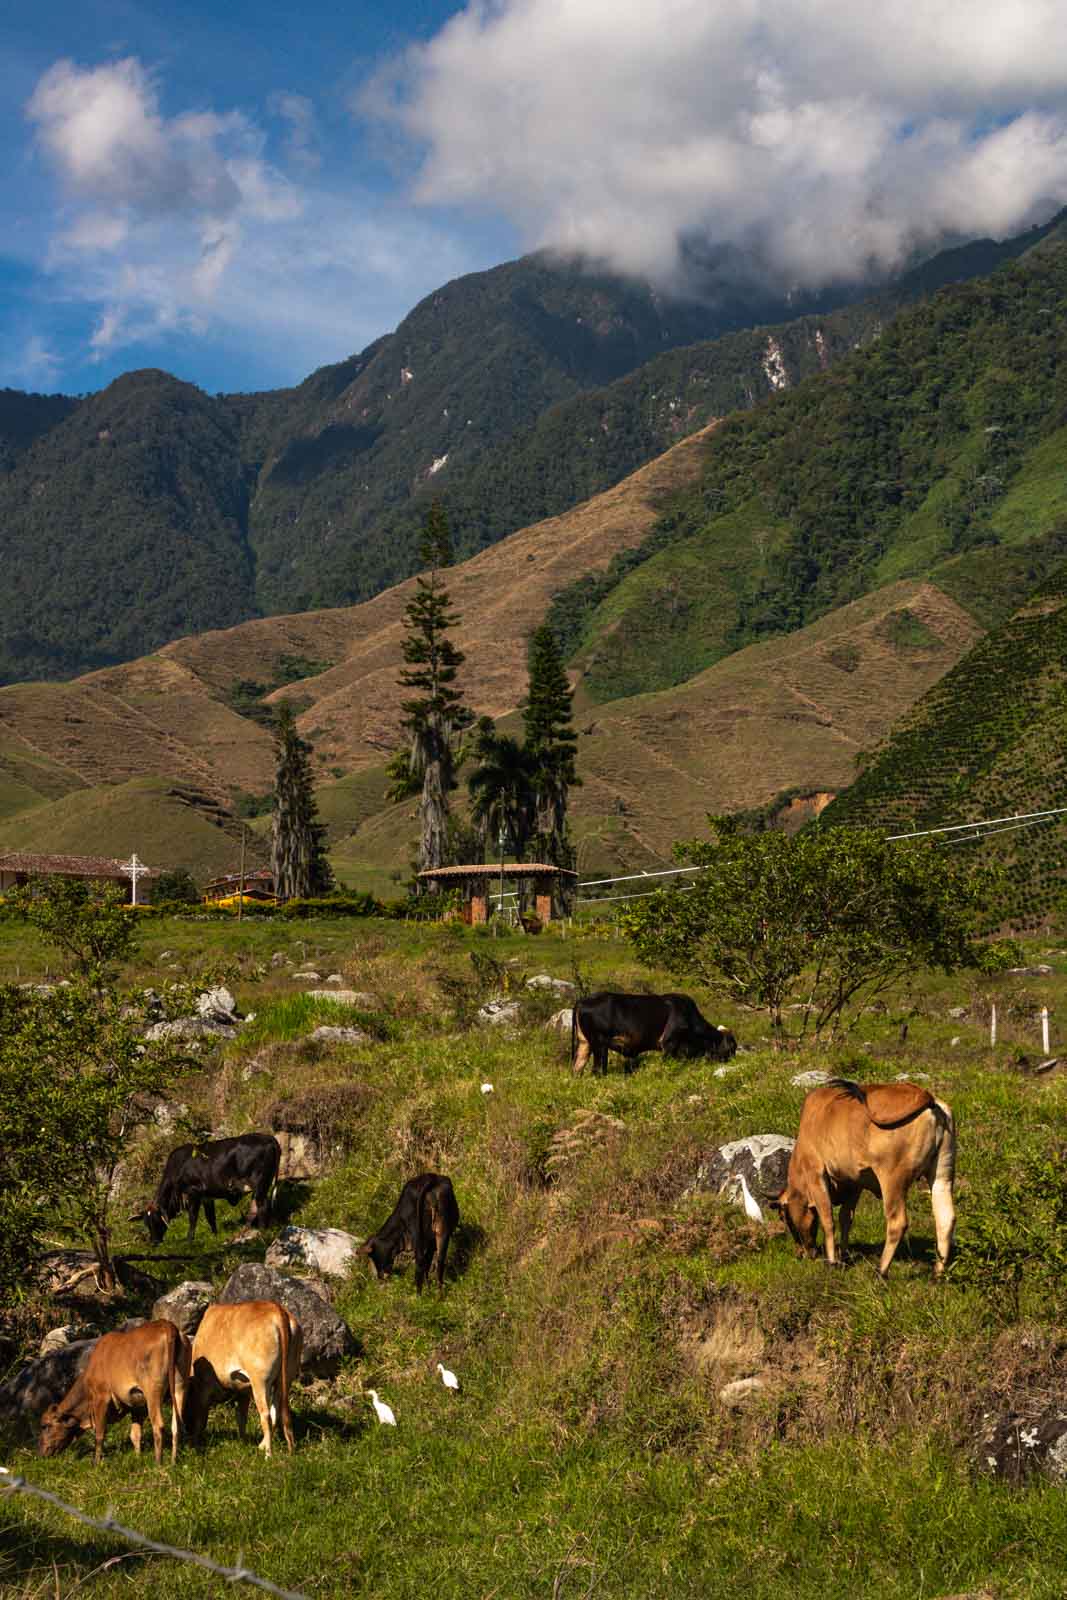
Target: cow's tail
column 574, row 1030
column 924, row 1101
column 942, row 1199
column 283, row 1380
column 175, row 1386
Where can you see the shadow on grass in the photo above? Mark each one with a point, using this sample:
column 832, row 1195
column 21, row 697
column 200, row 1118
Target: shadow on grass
column 35, row 1561
column 467, row 1241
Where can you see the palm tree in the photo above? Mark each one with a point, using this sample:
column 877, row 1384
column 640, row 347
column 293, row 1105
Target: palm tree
column 502, row 789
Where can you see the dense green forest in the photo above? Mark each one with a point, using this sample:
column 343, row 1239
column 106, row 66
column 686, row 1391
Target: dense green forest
column 151, row 509
column 921, row 454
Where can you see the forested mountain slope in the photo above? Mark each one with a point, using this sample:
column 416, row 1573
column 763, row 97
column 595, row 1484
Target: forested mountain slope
column 121, row 526
column 989, row 740
column 943, row 441
column 152, row 510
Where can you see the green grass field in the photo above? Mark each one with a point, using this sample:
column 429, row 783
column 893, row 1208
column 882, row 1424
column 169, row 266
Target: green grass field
column 593, row 1312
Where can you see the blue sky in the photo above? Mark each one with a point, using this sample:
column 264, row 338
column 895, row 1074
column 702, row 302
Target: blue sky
column 241, row 194
column 343, row 268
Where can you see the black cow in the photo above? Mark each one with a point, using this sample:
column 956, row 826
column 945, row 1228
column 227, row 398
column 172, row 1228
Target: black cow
column 424, row 1218
column 634, row 1023
column 217, row 1169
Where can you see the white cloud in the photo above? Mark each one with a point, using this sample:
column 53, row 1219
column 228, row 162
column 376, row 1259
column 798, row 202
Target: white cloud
column 30, row 362
column 302, row 139
column 824, row 136
column 181, row 228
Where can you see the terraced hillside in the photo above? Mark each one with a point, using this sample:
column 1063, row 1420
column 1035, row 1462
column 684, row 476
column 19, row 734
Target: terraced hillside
column 988, row 740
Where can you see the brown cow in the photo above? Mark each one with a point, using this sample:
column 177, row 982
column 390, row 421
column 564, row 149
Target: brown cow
column 133, row 1371
column 251, row 1349
column 876, row 1136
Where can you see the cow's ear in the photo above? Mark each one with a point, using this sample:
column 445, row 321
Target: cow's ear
column 778, row 1203
column 138, row 1216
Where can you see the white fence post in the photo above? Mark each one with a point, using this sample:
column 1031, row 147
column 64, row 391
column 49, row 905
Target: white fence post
column 1044, row 1029
column 993, row 1025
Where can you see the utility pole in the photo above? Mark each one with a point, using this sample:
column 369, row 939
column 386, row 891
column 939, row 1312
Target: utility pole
column 503, row 843
column 241, row 885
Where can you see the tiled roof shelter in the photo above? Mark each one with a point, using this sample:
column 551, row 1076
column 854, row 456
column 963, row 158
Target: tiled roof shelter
column 478, row 878
column 22, row 866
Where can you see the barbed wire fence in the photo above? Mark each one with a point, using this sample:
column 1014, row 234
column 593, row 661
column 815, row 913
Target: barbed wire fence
column 12, row 1483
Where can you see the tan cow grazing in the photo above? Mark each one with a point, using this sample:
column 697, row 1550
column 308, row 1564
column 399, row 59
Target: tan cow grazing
column 875, row 1136
column 133, row 1371
column 251, row 1349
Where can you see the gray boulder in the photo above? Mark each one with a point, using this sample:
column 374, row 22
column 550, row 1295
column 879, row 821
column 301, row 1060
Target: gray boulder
column 810, row 1080
column 763, row 1158
column 218, row 1004
column 330, row 1251
column 1013, row 1447
column 306, row 976
column 334, row 1035
column 499, row 1014
column 741, row 1390
column 557, row 986
column 39, row 1384
column 344, row 997
column 327, row 1338
column 192, row 1028
column 185, row 1305
column 59, row 1338
column 561, row 1021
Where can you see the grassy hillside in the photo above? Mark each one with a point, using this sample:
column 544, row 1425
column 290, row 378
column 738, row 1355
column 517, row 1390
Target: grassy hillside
column 167, row 826
column 943, row 439
column 594, row 1311
column 987, row 741
column 786, row 713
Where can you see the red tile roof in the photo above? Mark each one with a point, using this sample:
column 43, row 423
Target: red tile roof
column 67, row 866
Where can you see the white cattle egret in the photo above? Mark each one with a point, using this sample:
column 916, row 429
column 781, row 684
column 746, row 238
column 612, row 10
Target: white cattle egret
column 449, row 1379
column 487, row 1088
column 384, row 1412
column 750, row 1202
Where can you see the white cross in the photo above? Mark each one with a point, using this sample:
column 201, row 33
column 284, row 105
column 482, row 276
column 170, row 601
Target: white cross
column 134, row 869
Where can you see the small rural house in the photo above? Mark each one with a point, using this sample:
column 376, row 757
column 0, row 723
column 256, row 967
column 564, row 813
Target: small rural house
column 23, row 866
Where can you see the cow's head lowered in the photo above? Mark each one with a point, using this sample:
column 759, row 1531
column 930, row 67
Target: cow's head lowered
column 801, row 1218
column 60, row 1427
column 154, row 1221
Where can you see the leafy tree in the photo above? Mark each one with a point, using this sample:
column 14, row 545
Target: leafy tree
column 823, row 921
column 297, row 838
column 179, row 886
column 93, row 928
column 435, row 717
column 503, row 790
column 552, row 745
column 76, row 1072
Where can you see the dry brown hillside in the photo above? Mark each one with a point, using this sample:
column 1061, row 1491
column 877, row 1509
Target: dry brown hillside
column 788, row 712
column 163, row 715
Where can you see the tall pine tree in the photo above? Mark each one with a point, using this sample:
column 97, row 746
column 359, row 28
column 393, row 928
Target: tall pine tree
column 436, row 716
column 551, row 743
column 297, row 837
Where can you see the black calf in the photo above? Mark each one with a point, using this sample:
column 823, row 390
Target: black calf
column 424, row 1219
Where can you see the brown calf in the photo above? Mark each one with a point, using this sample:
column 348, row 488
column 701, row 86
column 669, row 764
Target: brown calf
column 129, row 1371
column 251, row 1349
column 876, row 1136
